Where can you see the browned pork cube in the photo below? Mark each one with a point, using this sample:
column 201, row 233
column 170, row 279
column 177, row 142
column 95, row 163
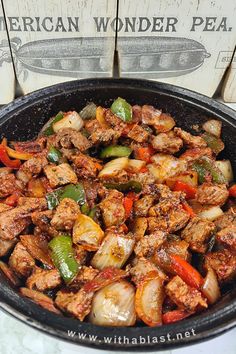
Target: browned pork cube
column 150, row 243
column 138, row 134
column 113, row 211
column 227, row 237
column 65, row 215
column 227, row 219
column 21, row 261
column 167, row 143
column 197, row 233
column 42, row 279
column 7, row 184
column 184, row 296
column 60, row 175
column 214, row 194
column 224, row 264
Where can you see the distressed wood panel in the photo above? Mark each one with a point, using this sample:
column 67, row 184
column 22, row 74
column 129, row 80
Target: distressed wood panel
column 229, row 87
column 7, row 77
column 59, row 40
column 181, row 42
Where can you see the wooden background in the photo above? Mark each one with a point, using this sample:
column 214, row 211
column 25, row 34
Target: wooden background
column 7, row 77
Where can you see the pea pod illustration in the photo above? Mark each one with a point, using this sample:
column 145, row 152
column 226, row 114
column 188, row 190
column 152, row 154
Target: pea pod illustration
column 150, row 57
column 160, row 57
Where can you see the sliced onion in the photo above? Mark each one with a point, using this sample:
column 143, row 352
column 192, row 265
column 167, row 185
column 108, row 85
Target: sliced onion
column 149, row 299
column 226, row 169
column 113, row 305
column 113, row 167
column 114, row 251
column 135, row 165
column 213, row 127
column 70, row 120
column 87, row 233
column 211, row 214
column 89, row 111
column 23, row 177
column 210, row 286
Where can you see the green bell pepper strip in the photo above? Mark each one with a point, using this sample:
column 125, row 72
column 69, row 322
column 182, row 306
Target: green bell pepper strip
column 115, row 151
column 122, row 109
column 63, row 257
column 49, row 130
column 213, row 142
column 85, row 209
column 72, row 191
column 204, row 166
column 93, row 213
column 131, row 186
column 54, row 155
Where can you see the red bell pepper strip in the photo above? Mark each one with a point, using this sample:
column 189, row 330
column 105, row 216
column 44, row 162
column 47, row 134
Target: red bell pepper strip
column 188, row 209
column 174, row 316
column 186, row 272
column 190, row 191
column 128, row 202
column 232, row 191
column 4, row 158
column 12, row 200
column 145, row 153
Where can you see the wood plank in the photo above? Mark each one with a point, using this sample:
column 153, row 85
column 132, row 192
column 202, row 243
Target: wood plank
column 7, row 77
column 60, row 40
column 181, row 42
column 229, row 87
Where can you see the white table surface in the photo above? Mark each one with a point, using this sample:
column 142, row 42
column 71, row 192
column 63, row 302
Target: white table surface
column 17, row 338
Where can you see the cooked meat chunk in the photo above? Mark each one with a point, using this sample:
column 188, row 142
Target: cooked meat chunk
column 177, row 246
column 214, row 194
column 80, row 254
column 189, row 139
column 13, row 222
column 167, row 204
column 197, row 233
column 37, row 246
column 142, row 205
column 167, row 143
column 40, row 299
column 6, row 246
column 42, row 279
column 144, row 178
column 93, row 191
column 4, row 207
column 21, row 261
column 32, row 147
column 227, row 237
column 7, row 184
column 191, row 155
column 66, row 214
column 85, row 274
column 184, row 296
column 150, row 243
column 150, row 115
column 100, row 134
column 34, row 166
column 115, row 122
column 77, row 304
column 138, row 134
column 223, row 263
column 68, row 138
column 174, row 221
column 227, row 219
column 60, row 175
column 137, row 113
column 84, row 166
column 42, row 219
column 113, row 211
column 141, row 267
column 32, row 203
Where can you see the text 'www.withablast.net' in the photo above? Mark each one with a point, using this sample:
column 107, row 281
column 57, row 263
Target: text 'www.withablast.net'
column 140, row 340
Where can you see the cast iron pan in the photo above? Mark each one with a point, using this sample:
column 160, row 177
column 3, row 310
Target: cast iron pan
column 23, row 118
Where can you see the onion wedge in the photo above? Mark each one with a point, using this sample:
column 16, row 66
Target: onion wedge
column 149, row 298
column 210, row 287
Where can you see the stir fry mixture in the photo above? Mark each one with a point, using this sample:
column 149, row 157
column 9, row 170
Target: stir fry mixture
column 118, row 217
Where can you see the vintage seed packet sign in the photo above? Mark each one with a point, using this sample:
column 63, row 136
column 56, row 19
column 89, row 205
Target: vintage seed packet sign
column 56, row 41
column 180, row 42
column 7, row 77
column 229, row 87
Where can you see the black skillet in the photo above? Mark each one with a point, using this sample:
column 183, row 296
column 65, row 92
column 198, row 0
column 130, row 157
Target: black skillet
column 23, row 118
